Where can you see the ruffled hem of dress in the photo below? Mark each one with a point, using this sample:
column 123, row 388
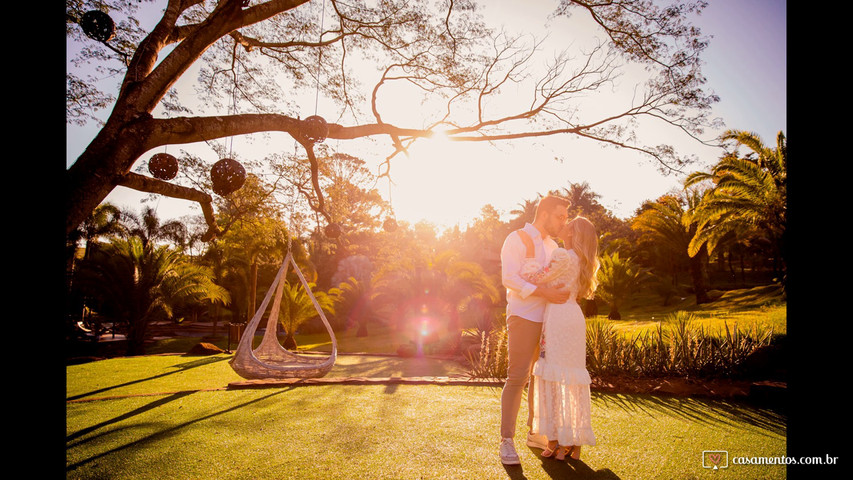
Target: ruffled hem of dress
column 565, row 375
column 569, row 437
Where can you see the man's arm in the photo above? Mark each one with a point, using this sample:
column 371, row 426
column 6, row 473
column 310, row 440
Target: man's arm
column 552, row 295
column 513, row 252
column 512, row 256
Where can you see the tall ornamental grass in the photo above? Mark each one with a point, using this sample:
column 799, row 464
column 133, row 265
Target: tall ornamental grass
column 490, row 360
column 675, row 347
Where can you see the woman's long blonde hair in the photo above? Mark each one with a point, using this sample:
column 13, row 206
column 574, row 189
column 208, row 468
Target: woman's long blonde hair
column 585, row 245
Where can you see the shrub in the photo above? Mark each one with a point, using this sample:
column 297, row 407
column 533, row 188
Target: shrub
column 675, row 347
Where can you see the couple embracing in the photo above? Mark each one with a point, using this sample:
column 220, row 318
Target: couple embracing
column 546, row 331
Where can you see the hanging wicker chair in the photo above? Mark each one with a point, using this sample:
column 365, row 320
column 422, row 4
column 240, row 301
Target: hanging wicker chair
column 270, row 359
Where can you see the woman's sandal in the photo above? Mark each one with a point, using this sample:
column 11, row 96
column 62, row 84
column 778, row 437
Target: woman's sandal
column 549, row 450
column 574, row 452
column 562, row 452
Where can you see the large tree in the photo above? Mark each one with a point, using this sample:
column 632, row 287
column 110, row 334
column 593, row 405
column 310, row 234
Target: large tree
column 667, row 228
column 749, row 197
column 265, row 53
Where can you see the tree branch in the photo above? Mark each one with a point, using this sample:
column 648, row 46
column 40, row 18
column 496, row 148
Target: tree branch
column 153, row 185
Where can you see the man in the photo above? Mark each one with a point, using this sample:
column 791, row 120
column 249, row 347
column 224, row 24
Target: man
column 524, row 313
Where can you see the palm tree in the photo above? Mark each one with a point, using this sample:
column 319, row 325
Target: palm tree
column 105, row 220
column 525, row 213
column 136, row 283
column 749, row 195
column 667, row 225
column 431, row 291
column 353, row 301
column 618, row 278
column 297, row 308
column 461, row 282
column 228, row 272
column 147, row 227
column 584, row 200
column 249, row 245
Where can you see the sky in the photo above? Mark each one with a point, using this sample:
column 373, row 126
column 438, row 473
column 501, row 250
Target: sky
column 447, row 185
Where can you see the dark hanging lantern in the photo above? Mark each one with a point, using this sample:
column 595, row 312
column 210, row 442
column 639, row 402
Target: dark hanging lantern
column 98, row 25
column 333, row 230
column 389, row 225
column 163, row 166
column 315, row 129
column 227, row 176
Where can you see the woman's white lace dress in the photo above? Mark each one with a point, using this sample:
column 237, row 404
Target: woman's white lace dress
column 561, row 393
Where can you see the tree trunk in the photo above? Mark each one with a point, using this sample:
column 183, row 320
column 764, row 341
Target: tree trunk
column 362, row 328
column 614, row 313
column 215, row 316
column 130, row 130
column 289, row 342
column 590, row 308
column 102, row 166
column 136, row 336
column 697, row 272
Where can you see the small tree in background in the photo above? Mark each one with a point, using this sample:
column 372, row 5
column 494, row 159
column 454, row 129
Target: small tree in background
column 297, row 308
column 618, row 278
column 353, row 302
column 135, row 283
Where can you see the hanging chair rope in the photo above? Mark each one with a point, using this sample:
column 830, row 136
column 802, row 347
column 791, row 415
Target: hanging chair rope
column 270, row 359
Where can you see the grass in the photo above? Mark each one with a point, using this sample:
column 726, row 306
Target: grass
column 381, row 339
column 759, row 306
column 124, row 376
column 170, row 417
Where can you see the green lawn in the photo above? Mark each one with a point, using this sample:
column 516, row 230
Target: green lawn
column 171, row 417
column 754, row 307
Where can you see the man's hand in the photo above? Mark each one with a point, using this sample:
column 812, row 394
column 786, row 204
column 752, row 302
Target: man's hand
column 552, row 295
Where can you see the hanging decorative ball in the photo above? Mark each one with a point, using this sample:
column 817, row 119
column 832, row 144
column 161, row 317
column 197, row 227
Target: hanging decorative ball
column 333, row 230
column 98, row 25
column 228, row 176
column 315, row 128
column 389, row 225
column 163, row 166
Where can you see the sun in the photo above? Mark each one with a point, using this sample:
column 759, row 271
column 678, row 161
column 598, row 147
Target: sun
column 429, row 183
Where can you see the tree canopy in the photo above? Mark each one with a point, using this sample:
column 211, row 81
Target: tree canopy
column 273, row 55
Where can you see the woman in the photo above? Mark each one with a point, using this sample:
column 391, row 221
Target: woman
column 561, row 395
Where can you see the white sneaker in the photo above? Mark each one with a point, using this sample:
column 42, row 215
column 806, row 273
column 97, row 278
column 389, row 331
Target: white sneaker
column 508, row 454
column 536, row 440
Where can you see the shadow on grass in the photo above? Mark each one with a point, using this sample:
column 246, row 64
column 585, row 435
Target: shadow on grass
column 706, row 411
column 178, row 368
column 154, row 436
column 715, row 413
column 568, row 469
column 125, row 416
column 392, row 366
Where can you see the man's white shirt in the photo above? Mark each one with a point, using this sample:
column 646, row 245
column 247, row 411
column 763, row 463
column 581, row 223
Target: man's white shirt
column 519, row 300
